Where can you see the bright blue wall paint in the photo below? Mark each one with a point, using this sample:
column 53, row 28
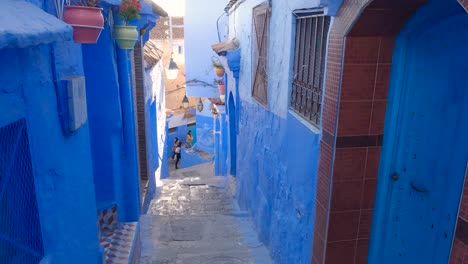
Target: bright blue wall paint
column 276, row 176
column 64, row 173
column 105, row 118
column 180, row 133
column 112, row 123
column 130, row 191
column 205, row 137
column 232, row 135
column 187, row 159
column 277, row 153
column 155, row 93
column 221, row 147
column 233, row 60
column 61, row 164
column 437, row 21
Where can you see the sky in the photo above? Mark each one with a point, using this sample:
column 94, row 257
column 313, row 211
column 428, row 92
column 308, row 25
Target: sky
column 172, row 7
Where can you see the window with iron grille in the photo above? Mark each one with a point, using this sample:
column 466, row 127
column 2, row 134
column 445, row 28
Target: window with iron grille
column 261, row 22
column 20, row 229
column 309, row 66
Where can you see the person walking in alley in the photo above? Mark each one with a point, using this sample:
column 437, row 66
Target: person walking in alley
column 177, row 150
column 189, row 139
column 174, row 146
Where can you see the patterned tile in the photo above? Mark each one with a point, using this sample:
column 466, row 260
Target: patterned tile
column 118, row 243
column 107, row 219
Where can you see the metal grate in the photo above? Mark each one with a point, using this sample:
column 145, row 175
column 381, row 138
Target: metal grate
column 20, row 232
column 309, row 66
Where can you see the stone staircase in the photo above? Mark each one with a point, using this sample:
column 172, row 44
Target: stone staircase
column 120, row 241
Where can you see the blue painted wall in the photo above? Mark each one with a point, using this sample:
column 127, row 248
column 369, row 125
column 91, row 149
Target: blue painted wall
column 221, row 143
column 188, row 158
column 62, row 165
column 112, row 121
column 204, row 139
column 276, row 175
column 277, row 151
column 205, row 129
column 105, row 116
column 76, row 174
column 155, row 131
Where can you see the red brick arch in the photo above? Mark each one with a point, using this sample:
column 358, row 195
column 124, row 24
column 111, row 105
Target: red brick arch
column 358, row 72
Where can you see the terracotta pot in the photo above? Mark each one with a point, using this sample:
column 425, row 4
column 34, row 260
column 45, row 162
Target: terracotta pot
column 219, row 71
column 221, row 89
column 126, row 36
column 87, row 22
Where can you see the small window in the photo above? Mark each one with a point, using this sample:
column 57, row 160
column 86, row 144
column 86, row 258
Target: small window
column 172, row 130
column 180, row 50
column 261, row 22
column 309, row 66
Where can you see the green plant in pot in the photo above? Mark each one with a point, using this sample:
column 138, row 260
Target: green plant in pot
column 125, row 35
column 218, row 67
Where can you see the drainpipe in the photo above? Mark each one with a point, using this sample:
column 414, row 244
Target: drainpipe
column 130, row 193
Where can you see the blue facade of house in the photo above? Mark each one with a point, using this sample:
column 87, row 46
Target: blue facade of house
column 155, row 130
column 275, row 150
column 74, row 173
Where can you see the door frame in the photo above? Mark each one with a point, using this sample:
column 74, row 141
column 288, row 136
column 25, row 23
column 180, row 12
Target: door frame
column 396, row 105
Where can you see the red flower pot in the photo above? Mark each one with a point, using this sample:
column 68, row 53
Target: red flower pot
column 221, row 88
column 87, row 22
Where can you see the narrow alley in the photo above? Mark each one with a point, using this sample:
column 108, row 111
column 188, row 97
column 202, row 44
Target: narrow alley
column 233, row 132
column 194, row 220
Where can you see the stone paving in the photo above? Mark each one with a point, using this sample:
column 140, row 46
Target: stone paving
column 194, row 220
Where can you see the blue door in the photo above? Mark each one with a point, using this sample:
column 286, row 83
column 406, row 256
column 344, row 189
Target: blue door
column 429, row 146
column 232, row 135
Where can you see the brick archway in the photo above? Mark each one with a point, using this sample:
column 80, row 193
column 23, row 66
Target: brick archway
column 358, row 72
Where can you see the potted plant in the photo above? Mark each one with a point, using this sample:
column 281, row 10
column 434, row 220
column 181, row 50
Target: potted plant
column 218, row 67
column 125, row 35
column 221, row 87
column 86, row 19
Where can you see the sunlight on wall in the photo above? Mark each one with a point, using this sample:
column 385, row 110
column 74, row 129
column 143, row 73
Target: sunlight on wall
column 172, row 7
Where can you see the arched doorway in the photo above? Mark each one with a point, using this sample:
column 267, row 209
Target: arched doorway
column 232, row 135
column 425, row 152
column 359, row 64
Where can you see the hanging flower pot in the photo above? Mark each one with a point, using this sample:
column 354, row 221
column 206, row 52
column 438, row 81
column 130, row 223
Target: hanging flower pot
column 218, row 67
column 87, row 22
column 219, row 70
column 126, row 36
column 221, row 89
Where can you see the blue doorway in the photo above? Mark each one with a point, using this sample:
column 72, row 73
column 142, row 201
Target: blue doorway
column 232, row 135
column 425, row 150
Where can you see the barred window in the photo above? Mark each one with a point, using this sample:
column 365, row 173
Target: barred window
column 261, row 22
column 309, row 66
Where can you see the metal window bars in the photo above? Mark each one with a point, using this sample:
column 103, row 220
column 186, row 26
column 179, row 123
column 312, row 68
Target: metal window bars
column 309, row 66
column 20, row 230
